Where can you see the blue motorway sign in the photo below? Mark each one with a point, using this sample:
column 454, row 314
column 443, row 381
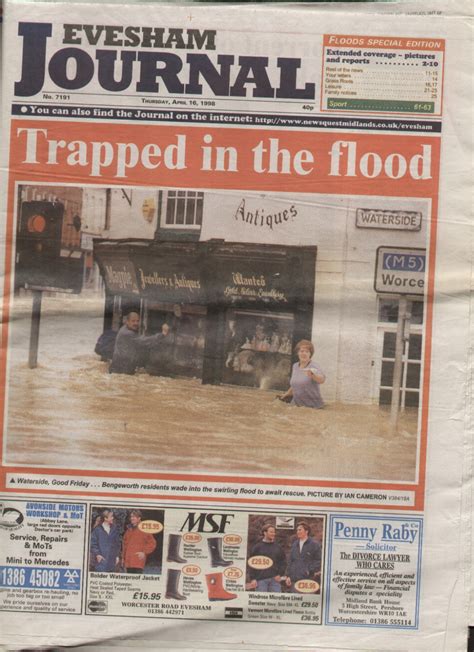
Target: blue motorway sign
column 400, row 270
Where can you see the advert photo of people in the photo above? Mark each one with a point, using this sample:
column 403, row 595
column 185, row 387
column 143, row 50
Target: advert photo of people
column 126, row 540
column 284, row 554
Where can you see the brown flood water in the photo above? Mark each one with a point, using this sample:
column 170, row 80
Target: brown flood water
column 69, row 412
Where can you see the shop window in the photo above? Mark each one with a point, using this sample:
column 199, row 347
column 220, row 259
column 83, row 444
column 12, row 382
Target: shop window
column 411, row 355
column 389, row 342
column 181, row 353
column 122, row 306
column 413, row 376
column 387, row 373
column 183, row 209
column 414, row 349
column 411, row 399
column 257, row 349
column 388, row 311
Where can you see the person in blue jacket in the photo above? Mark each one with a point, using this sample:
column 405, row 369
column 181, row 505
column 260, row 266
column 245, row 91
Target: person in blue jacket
column 105, row 544
column 305, row 558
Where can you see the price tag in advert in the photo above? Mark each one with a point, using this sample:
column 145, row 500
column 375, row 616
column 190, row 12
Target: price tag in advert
column 191, row 570
column 260, row 561
column 150, row 526
column 232, row 539
column 306, row 586
column 233, row 573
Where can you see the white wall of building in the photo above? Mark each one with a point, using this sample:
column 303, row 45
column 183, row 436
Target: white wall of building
column 132, row 213
column 93, row 211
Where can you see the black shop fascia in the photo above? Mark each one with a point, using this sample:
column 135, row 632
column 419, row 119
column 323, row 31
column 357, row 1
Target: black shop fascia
column 235, row 310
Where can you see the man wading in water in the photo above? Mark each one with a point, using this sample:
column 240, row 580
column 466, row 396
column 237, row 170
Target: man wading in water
column 130, row 346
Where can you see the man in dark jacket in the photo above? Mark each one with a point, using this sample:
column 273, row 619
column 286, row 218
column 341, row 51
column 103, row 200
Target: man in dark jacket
column 105, row 544
column 305, row 557
column 130, row 346
column 268, row 579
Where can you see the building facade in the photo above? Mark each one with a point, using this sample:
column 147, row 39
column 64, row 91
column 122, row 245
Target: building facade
column 229, row 241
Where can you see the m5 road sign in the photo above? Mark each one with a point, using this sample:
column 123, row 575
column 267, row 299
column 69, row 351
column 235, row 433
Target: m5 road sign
column 400, row 270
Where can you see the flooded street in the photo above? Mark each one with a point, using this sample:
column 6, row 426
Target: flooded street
column 70, row 412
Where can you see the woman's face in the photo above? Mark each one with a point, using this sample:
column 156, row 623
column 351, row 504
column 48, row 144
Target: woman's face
column 304, row 354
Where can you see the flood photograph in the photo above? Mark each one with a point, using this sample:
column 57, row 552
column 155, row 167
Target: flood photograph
column 220, row 333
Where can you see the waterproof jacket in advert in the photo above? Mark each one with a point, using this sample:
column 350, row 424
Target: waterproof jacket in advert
column 134, row 542
column 306, row 562
column 107, row 545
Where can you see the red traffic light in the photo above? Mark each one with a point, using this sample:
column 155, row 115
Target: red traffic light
column 36, row 223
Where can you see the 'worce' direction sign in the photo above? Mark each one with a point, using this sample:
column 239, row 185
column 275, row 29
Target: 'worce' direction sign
column 400, row 271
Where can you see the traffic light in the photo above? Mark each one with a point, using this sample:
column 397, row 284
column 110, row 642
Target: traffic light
column 39, row 230
column 41, row 262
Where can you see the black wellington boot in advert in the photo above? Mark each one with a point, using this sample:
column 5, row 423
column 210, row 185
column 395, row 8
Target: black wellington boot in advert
column 174, row 542
column 215, row 550
column 172, row 582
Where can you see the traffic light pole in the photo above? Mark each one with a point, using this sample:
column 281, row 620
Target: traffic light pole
column 35, row 329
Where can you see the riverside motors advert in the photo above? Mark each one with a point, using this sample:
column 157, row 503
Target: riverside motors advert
column 225, row 248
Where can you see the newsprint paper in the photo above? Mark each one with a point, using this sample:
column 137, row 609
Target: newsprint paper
column 236, row 264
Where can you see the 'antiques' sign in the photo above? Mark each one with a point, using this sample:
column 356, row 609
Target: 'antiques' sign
column 370, row 218
column 263, row 217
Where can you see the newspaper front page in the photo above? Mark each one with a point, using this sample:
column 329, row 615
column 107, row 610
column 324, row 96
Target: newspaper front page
column 236, row 263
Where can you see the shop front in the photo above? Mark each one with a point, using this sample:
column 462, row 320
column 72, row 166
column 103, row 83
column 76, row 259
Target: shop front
column 235, row 311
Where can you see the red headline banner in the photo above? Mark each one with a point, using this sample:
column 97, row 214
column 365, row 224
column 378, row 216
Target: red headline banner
column 224, row 158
